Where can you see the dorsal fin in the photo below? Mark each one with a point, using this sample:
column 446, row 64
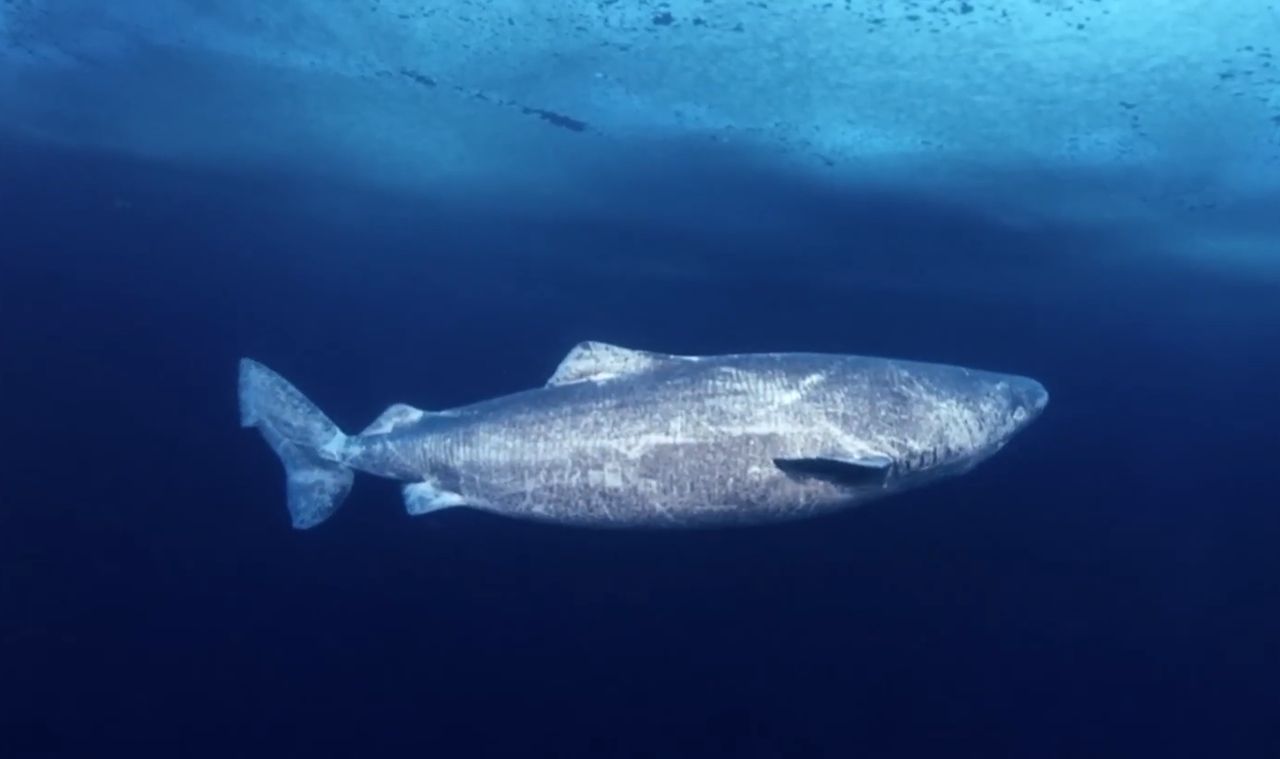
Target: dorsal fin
column 396, row 416
column 597, row 361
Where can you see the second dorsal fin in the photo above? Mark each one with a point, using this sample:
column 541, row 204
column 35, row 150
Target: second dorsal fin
column 396, row 416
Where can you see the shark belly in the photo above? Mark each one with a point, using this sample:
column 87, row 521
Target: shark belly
column 707, row 483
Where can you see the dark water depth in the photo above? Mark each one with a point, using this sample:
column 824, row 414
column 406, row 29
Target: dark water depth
column 1108, row 586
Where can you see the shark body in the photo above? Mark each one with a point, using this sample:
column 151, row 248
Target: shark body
column 628, row 438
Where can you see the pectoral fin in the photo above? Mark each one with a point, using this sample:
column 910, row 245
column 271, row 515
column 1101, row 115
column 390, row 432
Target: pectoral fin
column 863, row 471
column 425, row 497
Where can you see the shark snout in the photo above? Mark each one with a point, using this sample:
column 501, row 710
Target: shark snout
column 1028, row 396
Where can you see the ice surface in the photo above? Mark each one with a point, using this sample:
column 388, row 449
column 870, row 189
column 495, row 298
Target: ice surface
column 1097, row 110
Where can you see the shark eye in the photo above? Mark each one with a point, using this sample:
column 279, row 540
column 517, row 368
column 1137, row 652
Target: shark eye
column 1019, row 414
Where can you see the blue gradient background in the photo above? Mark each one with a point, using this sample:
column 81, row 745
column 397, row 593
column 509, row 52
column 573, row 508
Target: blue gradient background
column 1109, row 586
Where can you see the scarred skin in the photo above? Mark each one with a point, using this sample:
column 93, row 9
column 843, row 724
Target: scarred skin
column 624, row 438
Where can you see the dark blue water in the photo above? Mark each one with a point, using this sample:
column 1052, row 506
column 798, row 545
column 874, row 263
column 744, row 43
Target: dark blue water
column 1108, row 586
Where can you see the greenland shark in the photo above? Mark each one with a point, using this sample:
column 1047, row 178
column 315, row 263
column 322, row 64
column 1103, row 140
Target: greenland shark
column 629, row 438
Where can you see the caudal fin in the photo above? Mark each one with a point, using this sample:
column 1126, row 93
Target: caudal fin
column 307, row 442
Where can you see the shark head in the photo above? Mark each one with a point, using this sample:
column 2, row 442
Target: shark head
column 956, row 418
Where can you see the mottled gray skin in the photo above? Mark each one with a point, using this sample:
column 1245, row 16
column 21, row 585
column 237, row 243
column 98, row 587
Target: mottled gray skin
column 684, row 441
